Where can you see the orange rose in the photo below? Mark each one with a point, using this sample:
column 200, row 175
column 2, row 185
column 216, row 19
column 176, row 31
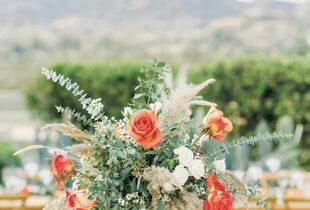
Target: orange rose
column 61, row 168
column 78, row 201
column 214, row 184
column 215, row 125
column 218, row 198
column 142, row 127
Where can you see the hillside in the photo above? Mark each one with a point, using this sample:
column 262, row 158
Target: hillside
column 37, row 32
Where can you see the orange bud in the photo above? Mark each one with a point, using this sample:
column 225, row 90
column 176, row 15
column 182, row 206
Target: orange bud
column 216, row 125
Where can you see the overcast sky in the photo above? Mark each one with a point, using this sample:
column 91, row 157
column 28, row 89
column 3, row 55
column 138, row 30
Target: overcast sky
column 292, row 1
column 295, row 1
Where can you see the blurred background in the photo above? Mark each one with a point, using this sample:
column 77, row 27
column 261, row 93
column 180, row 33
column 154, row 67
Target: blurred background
column 257, row 50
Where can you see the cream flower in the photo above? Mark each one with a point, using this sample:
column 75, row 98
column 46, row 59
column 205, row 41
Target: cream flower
column 156, row 106
column 220, row 165
column 197, row 169
column 186, row 156
column 180, row 174
column 127, row 111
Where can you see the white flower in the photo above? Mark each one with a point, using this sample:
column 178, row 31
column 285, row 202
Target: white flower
column 127, row 111
column 197, row 169
column 156, row 106
column 220, row 165
column 186, row 156
column 180, row 174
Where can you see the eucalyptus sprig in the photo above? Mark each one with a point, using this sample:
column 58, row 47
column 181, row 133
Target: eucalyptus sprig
column 151, row 84
column 253, row 140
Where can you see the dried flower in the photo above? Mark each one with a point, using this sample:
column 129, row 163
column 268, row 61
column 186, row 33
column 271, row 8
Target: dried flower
column 176, row 106
column 137, row 167
column 70, row 130
column 186, row 201
column 160, row 179
column 80, row 149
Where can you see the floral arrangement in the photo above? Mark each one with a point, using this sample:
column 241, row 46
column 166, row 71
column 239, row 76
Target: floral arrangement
column 154, row 157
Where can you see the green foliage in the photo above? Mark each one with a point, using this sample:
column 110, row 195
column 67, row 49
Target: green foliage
column 251, row 88
column 287, row 151
column 119, row 170
column 6, row 156
column 248, row 89
column 151, row 85
column 114, row 82
column 248, row 141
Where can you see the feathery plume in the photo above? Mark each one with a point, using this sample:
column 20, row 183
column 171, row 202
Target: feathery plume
column 80, row 149
column 34, row 147
column 69, row 130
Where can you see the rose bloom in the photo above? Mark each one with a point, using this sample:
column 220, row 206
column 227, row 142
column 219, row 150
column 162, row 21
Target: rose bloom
column 142, row 127
column 216, row 125
column 60, row 168
column 78, row 201
column 218, row 198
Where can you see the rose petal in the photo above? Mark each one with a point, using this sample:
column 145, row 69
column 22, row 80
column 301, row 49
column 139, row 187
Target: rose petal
column 143, row 128
column 229, row 126
column 151, row 142
column 213, row 183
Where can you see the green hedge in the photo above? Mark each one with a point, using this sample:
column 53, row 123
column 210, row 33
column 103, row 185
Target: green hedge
column 248, row 89
column 6, row 156
column 256, row 88
column 252, row 88
column 114, row 82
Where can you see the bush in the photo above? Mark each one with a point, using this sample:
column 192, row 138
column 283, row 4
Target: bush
column 6, row 156
column 248, row 89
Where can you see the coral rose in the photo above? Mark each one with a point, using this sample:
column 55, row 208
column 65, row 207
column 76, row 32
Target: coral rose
column 214, row 184
column 142, row 127
column 60, row 168
column 218, row 198
column 216, row 125
column 78, row 201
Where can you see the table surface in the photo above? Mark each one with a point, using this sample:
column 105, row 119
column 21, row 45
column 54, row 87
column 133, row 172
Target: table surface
column 289, row 203
column 33, row 202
